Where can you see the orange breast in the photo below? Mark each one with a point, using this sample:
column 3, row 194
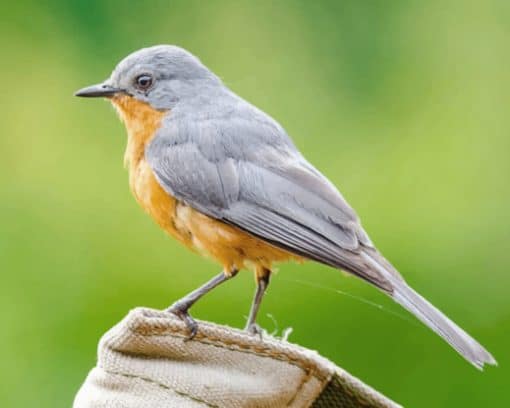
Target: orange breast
column 231, row 247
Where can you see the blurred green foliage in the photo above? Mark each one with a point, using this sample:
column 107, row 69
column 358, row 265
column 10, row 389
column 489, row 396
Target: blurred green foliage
column 403, row 105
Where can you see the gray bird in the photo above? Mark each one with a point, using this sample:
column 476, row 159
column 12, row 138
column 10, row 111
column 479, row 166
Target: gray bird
column 225, row 179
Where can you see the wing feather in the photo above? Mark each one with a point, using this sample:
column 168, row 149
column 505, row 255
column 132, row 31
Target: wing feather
column 274, row 194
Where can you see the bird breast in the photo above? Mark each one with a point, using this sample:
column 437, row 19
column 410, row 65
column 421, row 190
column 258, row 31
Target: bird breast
column 230, row 246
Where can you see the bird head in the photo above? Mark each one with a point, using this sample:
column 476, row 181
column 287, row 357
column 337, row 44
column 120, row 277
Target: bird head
column 160, row 76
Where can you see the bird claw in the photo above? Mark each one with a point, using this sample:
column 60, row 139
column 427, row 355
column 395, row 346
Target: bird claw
column 255, row 330
column 182, row 313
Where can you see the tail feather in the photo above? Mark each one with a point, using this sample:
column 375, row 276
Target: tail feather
column 465, row 345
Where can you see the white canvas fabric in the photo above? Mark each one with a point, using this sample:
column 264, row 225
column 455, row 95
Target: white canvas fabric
column 147, row 361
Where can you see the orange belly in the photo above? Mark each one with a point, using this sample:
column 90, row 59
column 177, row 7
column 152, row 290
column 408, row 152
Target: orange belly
column 230, row 246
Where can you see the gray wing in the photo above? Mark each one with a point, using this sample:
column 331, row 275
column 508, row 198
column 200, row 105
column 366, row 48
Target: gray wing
column 248, row 174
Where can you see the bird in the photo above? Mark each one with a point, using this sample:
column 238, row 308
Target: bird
column 226, row 180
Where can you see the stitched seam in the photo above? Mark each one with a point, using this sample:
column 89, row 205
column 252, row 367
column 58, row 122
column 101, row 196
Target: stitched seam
column 164, row 386
column 260, row 351
column 323, row 387
column 306, row 377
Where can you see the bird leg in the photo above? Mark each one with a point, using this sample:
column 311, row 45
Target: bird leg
column 182, row 306
column 262, row 284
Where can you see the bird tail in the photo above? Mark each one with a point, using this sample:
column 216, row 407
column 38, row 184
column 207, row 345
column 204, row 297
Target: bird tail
column 465, row 345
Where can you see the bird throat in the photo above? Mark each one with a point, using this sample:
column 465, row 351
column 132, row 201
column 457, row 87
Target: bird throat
column 141, row 121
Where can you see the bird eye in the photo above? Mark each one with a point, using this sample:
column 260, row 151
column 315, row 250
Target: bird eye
column 143, row 81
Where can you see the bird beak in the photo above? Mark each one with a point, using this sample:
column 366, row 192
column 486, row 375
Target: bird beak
column 98, row 91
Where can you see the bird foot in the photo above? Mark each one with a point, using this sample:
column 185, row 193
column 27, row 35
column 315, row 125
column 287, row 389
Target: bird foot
column 181, row 311
column 255, row 330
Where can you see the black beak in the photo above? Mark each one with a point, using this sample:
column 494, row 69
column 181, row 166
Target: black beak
column 98, row 91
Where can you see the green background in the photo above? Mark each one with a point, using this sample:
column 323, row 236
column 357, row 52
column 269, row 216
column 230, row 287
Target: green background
column 404, row 105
